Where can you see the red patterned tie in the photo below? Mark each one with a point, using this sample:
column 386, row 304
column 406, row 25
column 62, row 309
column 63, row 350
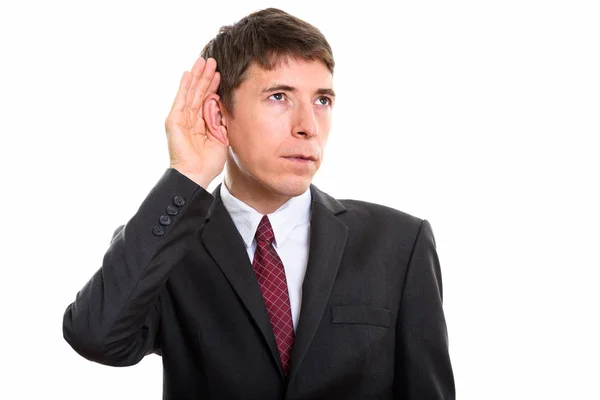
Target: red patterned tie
column 271, row 279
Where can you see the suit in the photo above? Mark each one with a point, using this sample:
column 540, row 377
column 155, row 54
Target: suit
column 371, row 324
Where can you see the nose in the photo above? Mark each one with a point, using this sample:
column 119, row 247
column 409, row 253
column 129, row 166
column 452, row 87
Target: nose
column 305, row 123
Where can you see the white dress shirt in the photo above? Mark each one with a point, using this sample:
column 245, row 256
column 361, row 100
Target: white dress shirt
column 291, row 227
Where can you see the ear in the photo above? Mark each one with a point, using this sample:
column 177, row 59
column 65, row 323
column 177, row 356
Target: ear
column 215, row 119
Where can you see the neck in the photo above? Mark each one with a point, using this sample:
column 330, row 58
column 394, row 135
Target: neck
column 252, row 192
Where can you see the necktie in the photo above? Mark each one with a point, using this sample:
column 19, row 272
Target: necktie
column 271, row 279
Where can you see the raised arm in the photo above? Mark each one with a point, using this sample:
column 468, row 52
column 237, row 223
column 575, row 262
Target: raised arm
column 115, row 317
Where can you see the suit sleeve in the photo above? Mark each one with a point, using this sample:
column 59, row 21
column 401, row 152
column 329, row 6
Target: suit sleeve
column 423, row 369
column 115, row 317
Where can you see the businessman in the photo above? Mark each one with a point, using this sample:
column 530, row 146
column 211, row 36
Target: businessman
column 267, row 288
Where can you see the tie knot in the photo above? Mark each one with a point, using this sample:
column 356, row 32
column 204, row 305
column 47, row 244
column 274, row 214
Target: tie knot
column 264, row 232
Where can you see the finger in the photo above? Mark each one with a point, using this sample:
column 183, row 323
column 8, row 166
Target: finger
column 214, row 84
column 180, row 99
column 203, row 83
column 196, row 73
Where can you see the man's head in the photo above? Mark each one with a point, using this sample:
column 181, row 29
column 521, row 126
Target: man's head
column 274, row 101
column 264, row 38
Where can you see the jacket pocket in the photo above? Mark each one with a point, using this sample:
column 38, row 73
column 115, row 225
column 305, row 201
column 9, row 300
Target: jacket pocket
column 361, row 315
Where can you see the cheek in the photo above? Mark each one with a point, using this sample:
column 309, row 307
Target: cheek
column 253, row 141
column 324, row 126
column 240, row 141
column 323, row 116
column 265, row 134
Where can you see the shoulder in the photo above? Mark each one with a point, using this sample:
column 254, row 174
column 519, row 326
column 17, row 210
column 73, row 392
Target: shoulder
column 374, row 213
column 367, row 214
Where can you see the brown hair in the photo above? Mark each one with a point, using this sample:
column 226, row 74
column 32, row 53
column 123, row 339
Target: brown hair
column 265, row 37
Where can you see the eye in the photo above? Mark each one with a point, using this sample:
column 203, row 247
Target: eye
column 324, row 101
column 277, row 96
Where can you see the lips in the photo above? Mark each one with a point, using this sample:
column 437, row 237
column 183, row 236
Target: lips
column 302, row 157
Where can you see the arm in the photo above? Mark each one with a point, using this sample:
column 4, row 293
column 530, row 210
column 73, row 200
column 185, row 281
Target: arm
column 423, row 368
column 114, row 318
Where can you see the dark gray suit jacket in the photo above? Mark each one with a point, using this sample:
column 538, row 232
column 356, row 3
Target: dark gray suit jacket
column 371, row 323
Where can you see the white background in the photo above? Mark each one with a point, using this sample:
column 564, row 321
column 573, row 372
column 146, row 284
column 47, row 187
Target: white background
column 480, row 116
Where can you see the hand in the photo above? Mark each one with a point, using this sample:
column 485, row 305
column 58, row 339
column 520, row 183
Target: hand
column 193, row 150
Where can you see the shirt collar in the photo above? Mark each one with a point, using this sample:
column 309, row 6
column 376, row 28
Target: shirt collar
column 283, row 220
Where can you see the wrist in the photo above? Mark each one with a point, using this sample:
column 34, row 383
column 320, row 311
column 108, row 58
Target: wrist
column 199, row 179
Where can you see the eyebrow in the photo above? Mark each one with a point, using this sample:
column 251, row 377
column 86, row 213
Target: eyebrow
column 287, row 88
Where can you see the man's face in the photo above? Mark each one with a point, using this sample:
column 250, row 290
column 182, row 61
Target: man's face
column 279, row 114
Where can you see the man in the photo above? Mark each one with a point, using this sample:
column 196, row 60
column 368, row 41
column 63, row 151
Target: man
column 268, row 288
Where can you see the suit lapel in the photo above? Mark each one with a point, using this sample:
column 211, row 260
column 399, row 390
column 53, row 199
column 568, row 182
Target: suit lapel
column 327, row 242
column 226, row 246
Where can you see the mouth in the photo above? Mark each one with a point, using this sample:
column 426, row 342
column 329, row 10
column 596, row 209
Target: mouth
column 301, row 159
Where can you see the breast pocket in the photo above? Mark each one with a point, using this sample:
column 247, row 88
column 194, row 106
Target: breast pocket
column 361, row 315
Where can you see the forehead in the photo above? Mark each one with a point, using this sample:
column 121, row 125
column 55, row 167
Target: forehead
column 302, row 74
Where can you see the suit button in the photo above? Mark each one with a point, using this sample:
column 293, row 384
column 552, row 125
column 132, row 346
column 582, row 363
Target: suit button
column 172, row 210
column 158, row 230
column 164, row 220
column 178, row 201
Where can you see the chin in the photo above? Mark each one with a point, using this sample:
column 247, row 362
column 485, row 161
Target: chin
column 289, row 186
